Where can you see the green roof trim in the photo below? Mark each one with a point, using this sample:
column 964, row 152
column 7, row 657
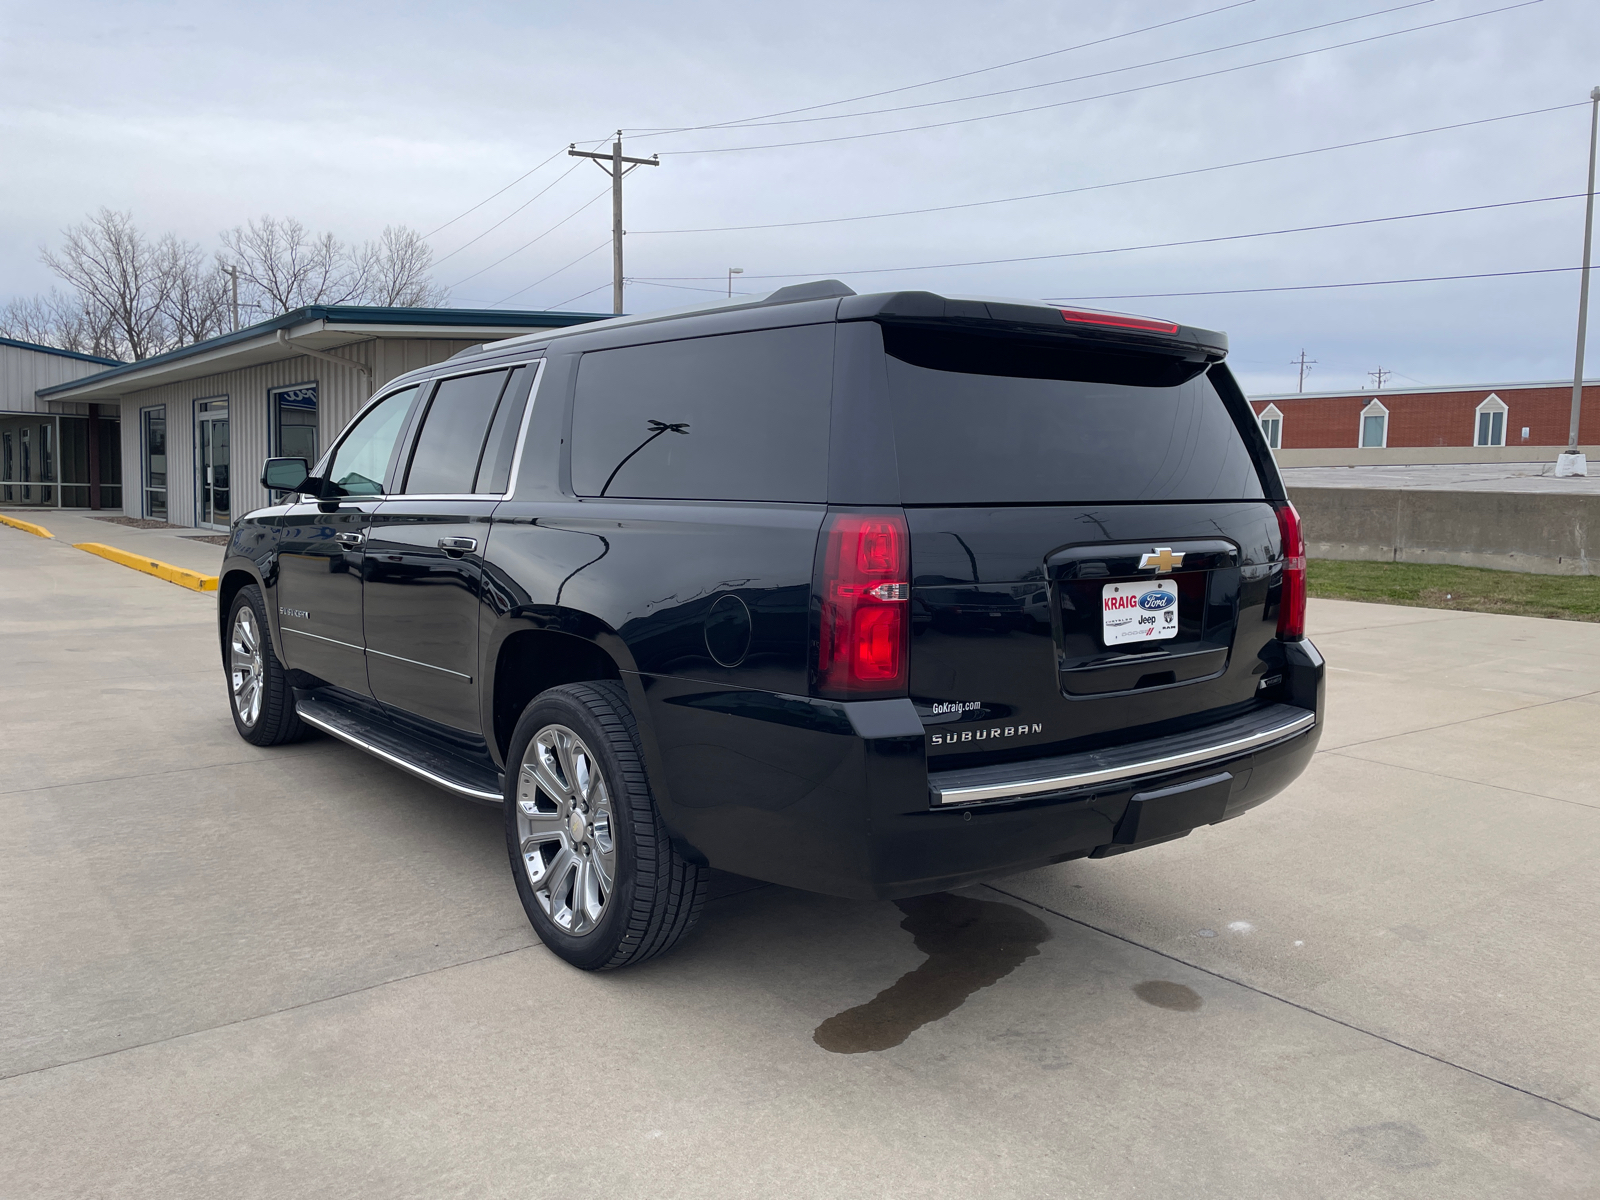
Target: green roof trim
column 94, row 358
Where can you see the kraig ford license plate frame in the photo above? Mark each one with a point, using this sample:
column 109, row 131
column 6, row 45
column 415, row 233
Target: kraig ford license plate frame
column 1143, row 611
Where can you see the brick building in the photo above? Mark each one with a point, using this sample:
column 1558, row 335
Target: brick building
column 1502, row 422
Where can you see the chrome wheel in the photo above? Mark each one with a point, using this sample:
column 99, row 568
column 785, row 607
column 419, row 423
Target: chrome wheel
column 564, row 826
column 247, row 670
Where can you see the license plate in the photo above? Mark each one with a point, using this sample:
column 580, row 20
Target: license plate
column 1139, row 612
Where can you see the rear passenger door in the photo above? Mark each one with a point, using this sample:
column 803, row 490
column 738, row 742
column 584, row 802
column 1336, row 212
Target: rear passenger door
column 426, row 545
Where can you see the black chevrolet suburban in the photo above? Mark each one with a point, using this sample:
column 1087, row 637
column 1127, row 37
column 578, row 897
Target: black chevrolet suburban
column 874, row 595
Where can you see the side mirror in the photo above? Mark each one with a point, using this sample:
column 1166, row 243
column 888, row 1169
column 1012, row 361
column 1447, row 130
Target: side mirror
column 285, row 474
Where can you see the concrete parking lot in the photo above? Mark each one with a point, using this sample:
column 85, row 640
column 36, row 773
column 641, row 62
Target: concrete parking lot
column 297, row 972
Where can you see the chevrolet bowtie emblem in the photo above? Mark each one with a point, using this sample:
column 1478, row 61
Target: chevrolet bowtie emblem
column 1160, row 560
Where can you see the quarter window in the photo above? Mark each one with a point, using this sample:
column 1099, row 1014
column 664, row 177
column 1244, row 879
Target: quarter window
column 739, row 416
column 362, row 459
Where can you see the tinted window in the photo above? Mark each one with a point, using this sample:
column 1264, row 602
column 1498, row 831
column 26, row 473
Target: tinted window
column 450, row 442
column 362, row 459
column 993, row 420
column 494, row 471
column 742, row 416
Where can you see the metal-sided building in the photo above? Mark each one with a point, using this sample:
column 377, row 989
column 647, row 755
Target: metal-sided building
column 52, row 452
column 197, row 423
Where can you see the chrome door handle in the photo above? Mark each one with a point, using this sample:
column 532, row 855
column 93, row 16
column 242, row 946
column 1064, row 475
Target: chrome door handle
column 458, row 545
column 352, row 540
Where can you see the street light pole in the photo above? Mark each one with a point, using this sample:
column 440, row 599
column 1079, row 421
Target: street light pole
column 1572, row 461
column 732, row 271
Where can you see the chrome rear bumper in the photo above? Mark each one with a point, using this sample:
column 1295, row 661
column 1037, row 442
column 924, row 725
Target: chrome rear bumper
column 1214, row 743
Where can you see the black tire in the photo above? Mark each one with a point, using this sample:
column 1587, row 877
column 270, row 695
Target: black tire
column 655, row 896
column 259, row 696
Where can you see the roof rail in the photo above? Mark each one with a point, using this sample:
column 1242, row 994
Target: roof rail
column 794, row 293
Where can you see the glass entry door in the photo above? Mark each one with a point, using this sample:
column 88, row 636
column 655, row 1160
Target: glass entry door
column 212, row 462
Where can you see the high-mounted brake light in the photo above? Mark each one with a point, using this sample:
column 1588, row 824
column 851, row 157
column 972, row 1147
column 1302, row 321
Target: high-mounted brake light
column 865, row 586
column 1113, row 321
column 1292, row 607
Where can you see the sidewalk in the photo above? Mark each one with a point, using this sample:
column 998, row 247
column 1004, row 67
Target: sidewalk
column 165, row 545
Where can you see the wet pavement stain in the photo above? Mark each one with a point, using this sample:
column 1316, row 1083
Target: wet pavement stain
column 1165, row 994
column 970, row 945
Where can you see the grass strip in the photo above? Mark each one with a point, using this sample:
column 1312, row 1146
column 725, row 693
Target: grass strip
column 1468, row 589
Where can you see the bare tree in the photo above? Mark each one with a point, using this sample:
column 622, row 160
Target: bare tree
column 114, row 270
column 282, row 266
column 395, row 271
column 195, row 294
column 132, row 297
column 60, row 321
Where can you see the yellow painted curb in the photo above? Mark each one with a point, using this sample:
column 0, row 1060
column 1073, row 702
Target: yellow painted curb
column 25, row 526
column 192, row 580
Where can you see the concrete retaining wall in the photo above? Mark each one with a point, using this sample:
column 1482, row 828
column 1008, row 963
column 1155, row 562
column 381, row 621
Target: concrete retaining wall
column 1507, row 531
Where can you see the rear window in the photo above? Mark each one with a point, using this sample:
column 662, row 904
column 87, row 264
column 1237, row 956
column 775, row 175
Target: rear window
column 740, row 416
column 995, row 420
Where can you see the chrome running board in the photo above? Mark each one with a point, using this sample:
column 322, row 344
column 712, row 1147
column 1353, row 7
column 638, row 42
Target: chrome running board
column 435, row 766
column 1015, row 781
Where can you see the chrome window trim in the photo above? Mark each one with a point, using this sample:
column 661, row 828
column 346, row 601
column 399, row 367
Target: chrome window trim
column 522, row 432
column 1034, row 785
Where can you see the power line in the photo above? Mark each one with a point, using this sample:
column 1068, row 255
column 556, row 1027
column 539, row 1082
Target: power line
column 581, row 295
column 488, row 198
column 1228, row 237
column 552, row 274
column 1314, row 287
column 510, row 214
column 1155, row 62
column 1092, row 187
column 849, row 100
column 1017, row 112
column 1016, row 62
column 526, row 244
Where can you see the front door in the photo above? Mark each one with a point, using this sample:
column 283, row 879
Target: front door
column 322, row 552
column 214, row 486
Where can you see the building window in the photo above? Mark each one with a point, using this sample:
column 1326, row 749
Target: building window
column 153, row 457
column 294, row 421
column 1374, row 426
column 1272, row 426
column 1491, row 422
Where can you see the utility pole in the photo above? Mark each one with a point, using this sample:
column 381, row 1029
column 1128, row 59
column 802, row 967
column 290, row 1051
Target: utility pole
column 1304, row 364
column 1379, row 377
column 1572, row 462
column 616, row 171
column 233, row 273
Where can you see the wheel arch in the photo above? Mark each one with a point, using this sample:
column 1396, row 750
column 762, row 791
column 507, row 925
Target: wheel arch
column 235, row 578
column 533, row 652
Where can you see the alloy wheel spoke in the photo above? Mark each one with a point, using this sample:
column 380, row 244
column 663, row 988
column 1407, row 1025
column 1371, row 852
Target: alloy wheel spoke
column 568, row 765
column 586, row 894
column 549, row 782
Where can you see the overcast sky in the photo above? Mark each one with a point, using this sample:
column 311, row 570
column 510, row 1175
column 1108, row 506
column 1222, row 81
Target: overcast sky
column 353, row 116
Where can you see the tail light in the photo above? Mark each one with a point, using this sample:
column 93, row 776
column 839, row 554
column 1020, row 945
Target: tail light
column 1292, row 608
column 865, row 587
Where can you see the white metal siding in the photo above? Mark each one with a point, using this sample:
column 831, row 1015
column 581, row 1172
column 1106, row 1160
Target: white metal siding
column 23, row 372
column 340, row 394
